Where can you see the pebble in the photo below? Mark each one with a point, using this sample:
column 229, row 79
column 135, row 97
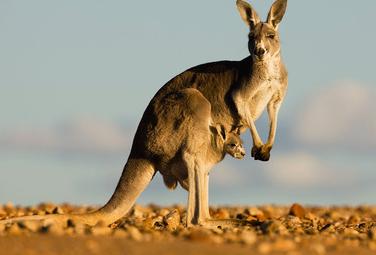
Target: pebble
column 350, row 233
column 273, row 227
column 81, row 229
column 54, row 229
column 297, row 210
column 154, row 223
column 221, row 214
column 100, row 231
column 172, row 220
column 328, row 228
column 33, row 226
column 58, row 210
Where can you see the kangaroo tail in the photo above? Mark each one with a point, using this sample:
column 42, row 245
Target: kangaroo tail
column 136, row 175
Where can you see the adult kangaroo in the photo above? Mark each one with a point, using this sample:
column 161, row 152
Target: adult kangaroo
column 175, row 128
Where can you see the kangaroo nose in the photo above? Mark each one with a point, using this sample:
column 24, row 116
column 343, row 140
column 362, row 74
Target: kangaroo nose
column 260, row 52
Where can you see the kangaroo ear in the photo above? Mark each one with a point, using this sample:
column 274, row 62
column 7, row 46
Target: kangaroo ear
column 248, row 14
column 236, row 130
column 221, row 131
column 276, row 13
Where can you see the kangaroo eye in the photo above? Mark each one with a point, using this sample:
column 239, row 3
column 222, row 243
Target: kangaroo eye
column 233, row 145
column 271, row 36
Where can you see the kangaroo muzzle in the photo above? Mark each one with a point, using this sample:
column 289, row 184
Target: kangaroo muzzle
column 259, row 51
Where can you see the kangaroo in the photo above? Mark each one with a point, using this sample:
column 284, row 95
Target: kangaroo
column 169, row 136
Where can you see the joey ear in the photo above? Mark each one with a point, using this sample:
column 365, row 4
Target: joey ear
column 247, row 13
column 236, row 130
column 276, row 13
column 221, row 132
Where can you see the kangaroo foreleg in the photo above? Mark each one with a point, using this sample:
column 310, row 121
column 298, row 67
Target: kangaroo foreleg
column 263, row 152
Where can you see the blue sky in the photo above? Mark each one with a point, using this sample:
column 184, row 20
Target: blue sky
column 76, row 77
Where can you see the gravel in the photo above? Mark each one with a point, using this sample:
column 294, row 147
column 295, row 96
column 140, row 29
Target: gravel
column 285, row 229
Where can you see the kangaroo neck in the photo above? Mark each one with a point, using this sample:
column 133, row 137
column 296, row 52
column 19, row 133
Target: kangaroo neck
column 266, row 70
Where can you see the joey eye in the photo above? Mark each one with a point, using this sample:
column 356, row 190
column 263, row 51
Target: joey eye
column 233, row 145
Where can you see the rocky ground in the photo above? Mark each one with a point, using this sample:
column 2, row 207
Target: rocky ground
column 271, row 230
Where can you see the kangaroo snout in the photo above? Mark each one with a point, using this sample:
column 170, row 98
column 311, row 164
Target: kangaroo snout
column 259, row 52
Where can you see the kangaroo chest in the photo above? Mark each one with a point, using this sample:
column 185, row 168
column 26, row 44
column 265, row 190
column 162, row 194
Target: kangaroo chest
column 254, row 94
column 256, row 103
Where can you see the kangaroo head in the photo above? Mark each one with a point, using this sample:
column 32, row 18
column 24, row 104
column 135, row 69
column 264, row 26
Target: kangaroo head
column 234, row 145
column 263, row 37
column 228, row 142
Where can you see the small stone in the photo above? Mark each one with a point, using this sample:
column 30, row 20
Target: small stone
column 254, row 211
column 297, row 210
column 221, row 214
column 172, row 220
column 248, row 237
column 311, row 216
column 350, row 233
column 33, row 226
column 82, row 229
column 353, row 219
column 57, row 210
column 154, row 223
column 163, row 212
column 328, row 228
column 100, row 231
column 138, row 211
column 52, row 228
column 134, row 233
column 273, row 227
column 257, row 213
column 311, row 231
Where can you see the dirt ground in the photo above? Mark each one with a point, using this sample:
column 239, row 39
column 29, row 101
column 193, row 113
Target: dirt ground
column 151, row 229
